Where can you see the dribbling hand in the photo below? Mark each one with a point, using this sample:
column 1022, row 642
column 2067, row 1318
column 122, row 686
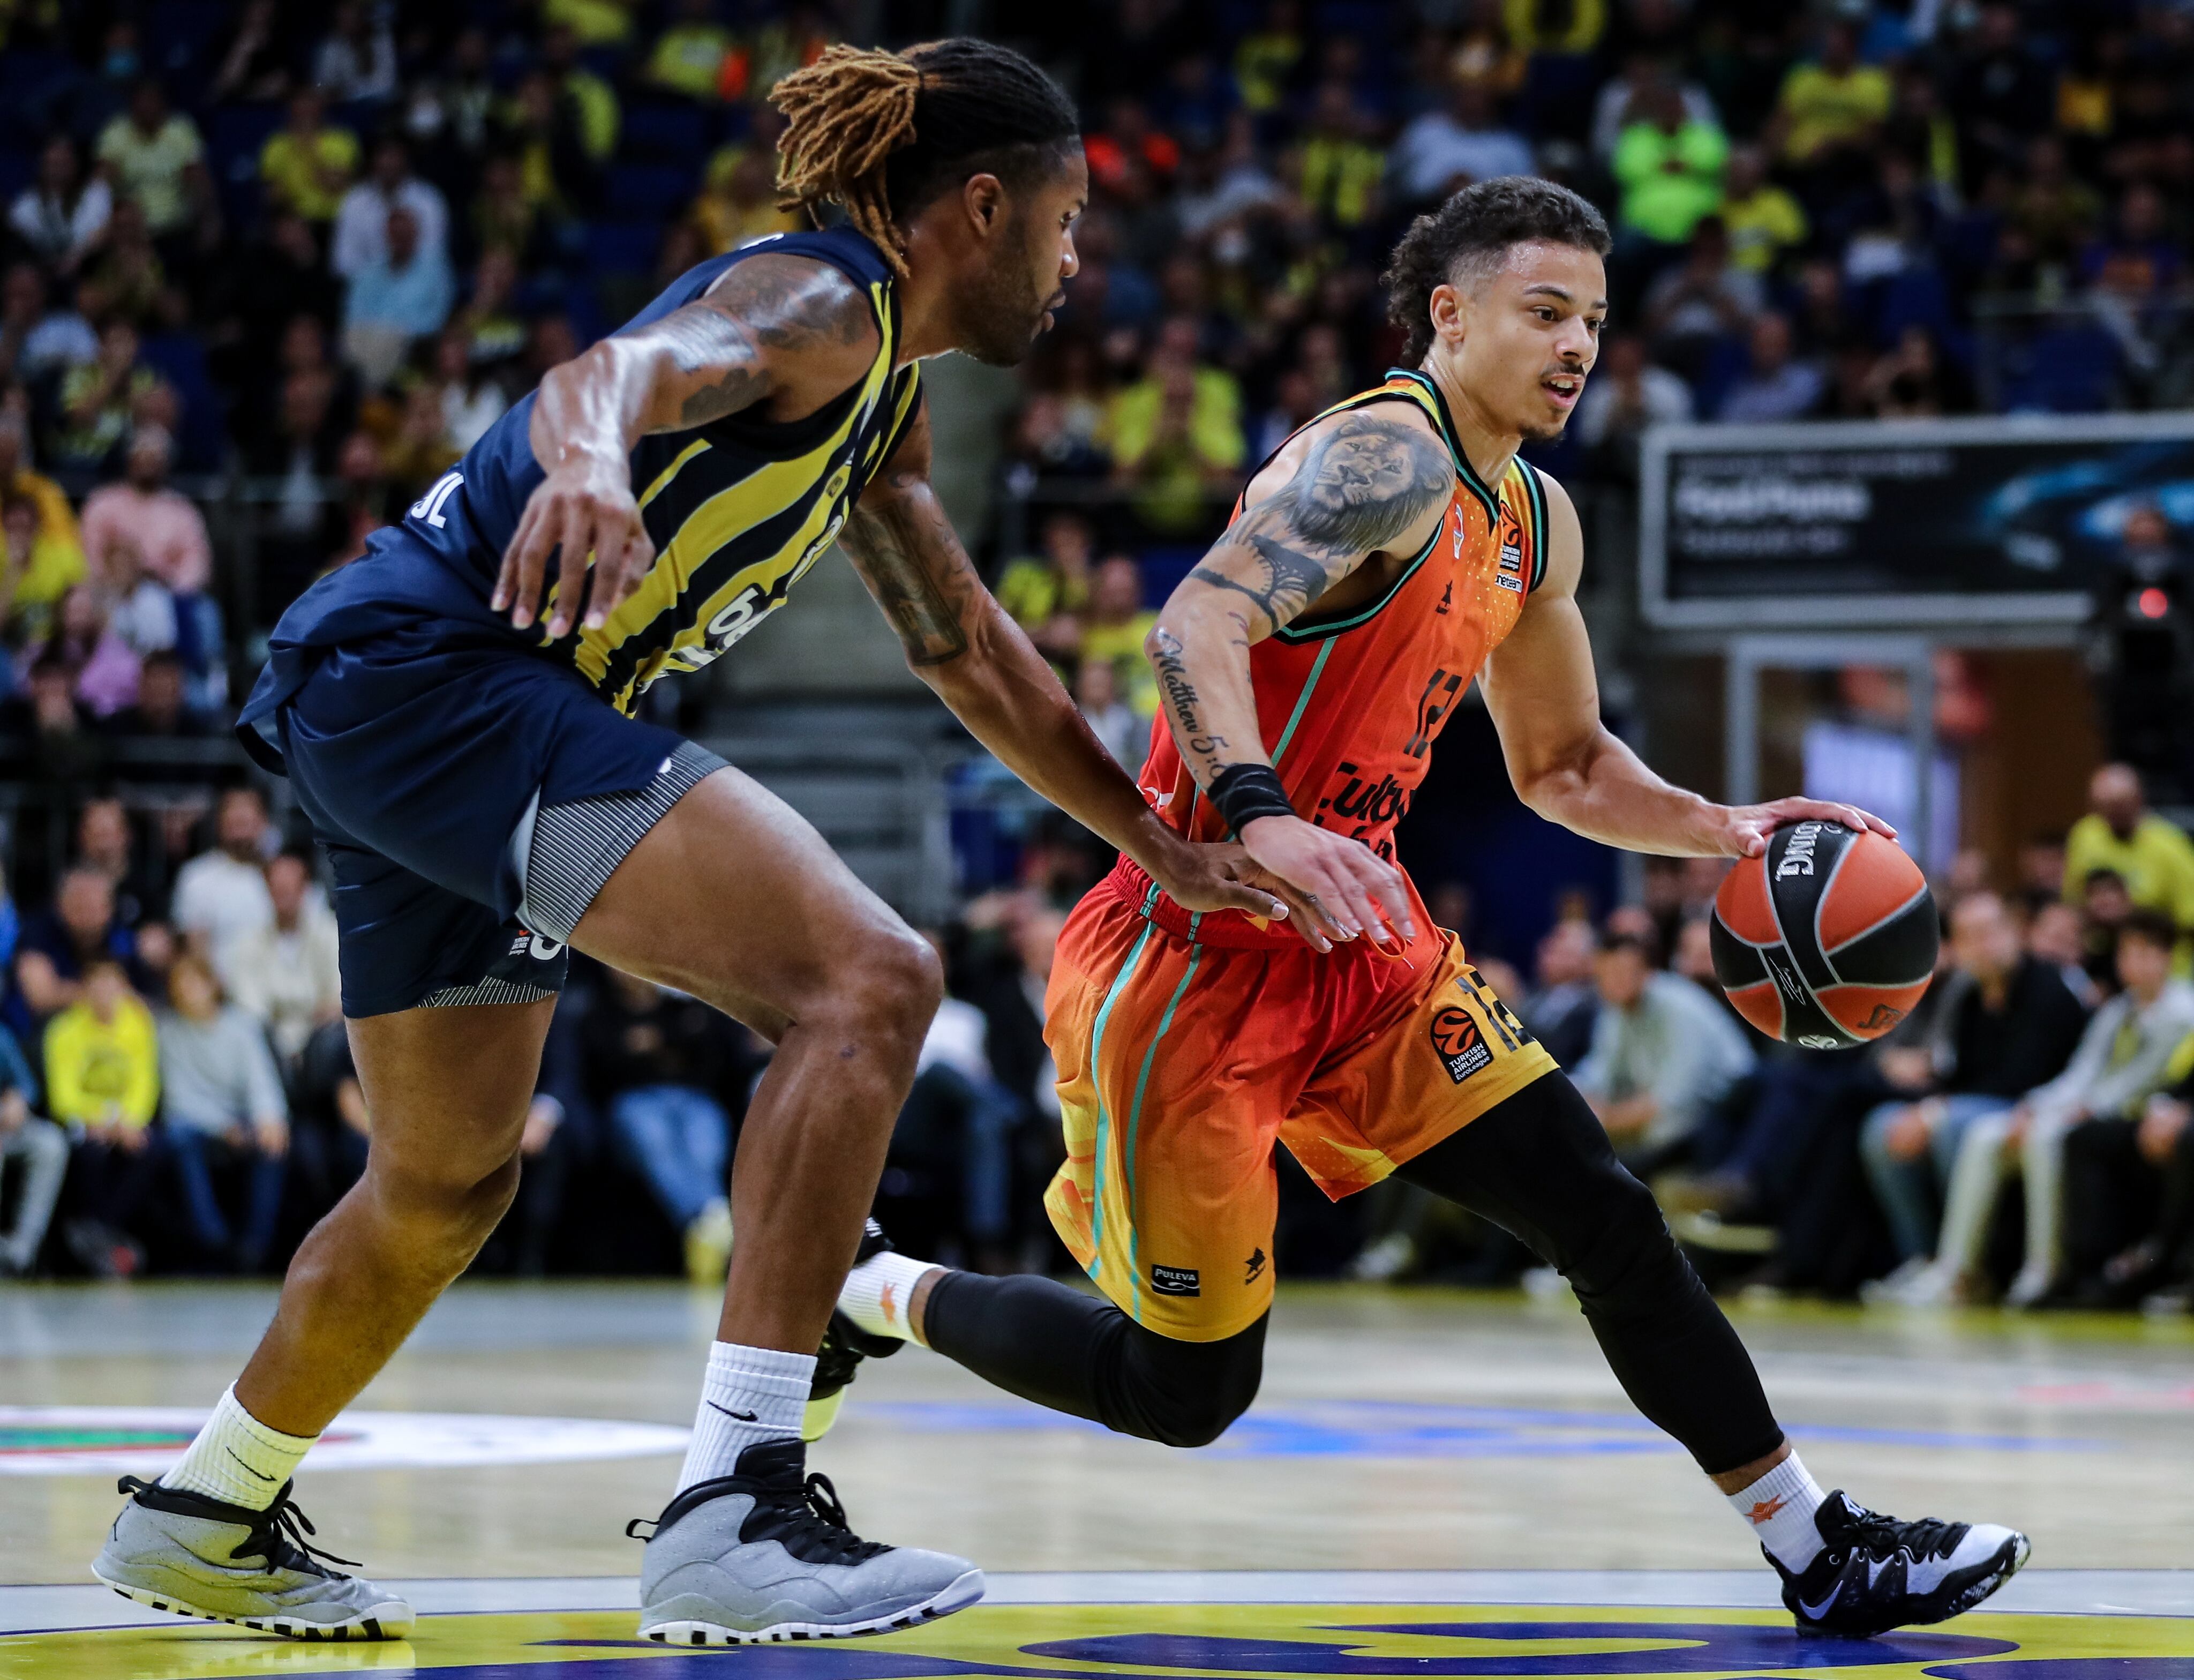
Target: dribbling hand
column 584, row 507
column 1744, row 828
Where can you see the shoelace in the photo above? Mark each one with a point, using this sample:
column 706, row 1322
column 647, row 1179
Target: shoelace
column 278, row 1536
column 819, row 1512
column 1883, row 1536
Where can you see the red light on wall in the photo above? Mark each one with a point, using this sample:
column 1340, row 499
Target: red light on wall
column 2151, row 603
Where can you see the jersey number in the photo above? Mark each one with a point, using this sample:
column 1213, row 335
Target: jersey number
column 429, row 506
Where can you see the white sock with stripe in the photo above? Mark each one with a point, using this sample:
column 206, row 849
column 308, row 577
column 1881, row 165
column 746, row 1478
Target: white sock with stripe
column 748, row 1395
column 879, row 1291
column 1780, row 1507
column 238, row 1459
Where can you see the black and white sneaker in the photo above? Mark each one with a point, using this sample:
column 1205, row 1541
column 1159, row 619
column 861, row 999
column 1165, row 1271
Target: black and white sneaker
column 845, row 1345
column 1875, row 1573
column 765, row 1555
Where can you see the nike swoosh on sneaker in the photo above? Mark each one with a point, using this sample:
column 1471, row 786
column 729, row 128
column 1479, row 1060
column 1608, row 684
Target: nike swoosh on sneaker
column 744, row 1416
column 1817, row 1611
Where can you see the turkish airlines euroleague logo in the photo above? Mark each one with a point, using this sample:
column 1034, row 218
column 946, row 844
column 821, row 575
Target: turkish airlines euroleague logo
column 1462, row 1047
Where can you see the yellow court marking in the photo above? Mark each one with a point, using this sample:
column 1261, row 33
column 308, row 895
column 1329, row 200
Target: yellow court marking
column 1180, row 1641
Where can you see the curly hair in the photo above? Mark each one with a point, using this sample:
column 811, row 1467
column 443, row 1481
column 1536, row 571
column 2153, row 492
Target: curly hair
column 883, row 134
column 1469, row 237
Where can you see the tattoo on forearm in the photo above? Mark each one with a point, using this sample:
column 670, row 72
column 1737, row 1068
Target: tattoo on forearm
column 914, row 566
column 1170, row 660
column 1365, row 482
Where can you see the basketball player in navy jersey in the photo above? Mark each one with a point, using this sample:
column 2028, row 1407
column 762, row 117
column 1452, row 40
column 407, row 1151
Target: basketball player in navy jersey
column 454, row 711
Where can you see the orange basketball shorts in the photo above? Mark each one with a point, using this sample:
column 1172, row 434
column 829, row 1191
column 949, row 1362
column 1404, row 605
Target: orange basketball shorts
column 1180, row 1064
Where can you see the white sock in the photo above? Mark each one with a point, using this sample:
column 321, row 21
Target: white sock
column 878, row 1293
column 748, row 1395
column 1780, row 1507
column 237, row 1459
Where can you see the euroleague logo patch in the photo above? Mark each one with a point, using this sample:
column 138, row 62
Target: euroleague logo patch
column 1462, row 1047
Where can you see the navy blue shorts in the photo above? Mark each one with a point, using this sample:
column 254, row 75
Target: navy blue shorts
column 472, row 797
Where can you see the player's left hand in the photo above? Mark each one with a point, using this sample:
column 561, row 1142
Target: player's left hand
column 1216, row 877
column 1745, row 828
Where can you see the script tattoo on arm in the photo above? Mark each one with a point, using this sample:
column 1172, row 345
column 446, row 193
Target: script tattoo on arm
column 722, row 350
column 910, row 558
column 1364, row 482
column 1170, row 660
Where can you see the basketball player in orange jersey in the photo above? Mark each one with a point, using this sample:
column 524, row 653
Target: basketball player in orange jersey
column 1388, row 553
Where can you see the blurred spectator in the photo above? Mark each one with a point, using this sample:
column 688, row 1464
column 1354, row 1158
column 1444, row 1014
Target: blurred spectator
column 154, row 157
column 104, row 843
column 1662, row 1054
column 689, row 55
column 2150, row 853
column 738, row 202
column 98, row 400
column 1564, row 1004
column 38, row 1148
column 356, row 59
column 254, row 57
column 360, row 239
column 1341, row 166
column 1267, row 57
column 469, row 400
column 404, row 297
column 1764, row 222
column 161, row 712
column 103, row 1077
column 2006, row 1024
column 2105, row 903
column 1097, row 692
column 1669, row 161
column 1832, row 106
column 660, row 1065
column 59, row 946
column 2101, row 1157
column 306, row 165
column 38, row 341
column 222, row 895
column 61, row 217
column 221, row 1105
column 1626, row 394
column 165, row 526
column 1455, row 144
column 2121, row 1059
column 37, row 571
column 285, row 973
column 1043, row 592
column 1113, row 630
column 1776, row 385
column 102, row 668
column 1175, row 434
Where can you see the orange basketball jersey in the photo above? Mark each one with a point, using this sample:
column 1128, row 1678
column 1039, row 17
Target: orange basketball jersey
column 1349, row 706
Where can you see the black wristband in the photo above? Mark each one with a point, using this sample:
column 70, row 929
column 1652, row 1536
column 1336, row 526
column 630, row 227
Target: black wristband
column 1244, row 792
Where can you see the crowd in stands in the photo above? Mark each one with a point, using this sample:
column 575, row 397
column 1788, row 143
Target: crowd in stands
column 266, row 271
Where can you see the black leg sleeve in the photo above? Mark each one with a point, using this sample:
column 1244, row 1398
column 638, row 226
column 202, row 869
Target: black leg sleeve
column 1078, row 1354
column 1539, row 1164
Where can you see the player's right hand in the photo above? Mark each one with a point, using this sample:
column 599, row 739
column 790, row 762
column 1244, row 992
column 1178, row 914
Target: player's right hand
column 584, row 507
column 1341, row 888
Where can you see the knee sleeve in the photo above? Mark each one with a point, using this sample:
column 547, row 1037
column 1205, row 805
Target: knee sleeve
column 1080, row 1355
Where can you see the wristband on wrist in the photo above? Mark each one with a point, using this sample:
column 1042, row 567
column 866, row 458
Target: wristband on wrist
column 1244, row 792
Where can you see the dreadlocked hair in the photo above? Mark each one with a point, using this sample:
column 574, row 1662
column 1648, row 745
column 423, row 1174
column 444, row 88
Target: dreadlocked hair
column 1467, row 239
column 882, row 134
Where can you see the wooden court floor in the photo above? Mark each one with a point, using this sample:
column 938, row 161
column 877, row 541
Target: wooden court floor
column 1431, row 1482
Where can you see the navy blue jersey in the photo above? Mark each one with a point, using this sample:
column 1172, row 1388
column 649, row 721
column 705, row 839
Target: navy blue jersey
column 738, row 510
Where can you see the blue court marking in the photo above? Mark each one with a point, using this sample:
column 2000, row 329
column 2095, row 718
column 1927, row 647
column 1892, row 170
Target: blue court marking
column 1405, row 1430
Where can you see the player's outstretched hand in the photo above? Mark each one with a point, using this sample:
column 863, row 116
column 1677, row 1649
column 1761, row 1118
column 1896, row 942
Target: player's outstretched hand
column 584, row 508
column 1341, row 888
column 1745, row 828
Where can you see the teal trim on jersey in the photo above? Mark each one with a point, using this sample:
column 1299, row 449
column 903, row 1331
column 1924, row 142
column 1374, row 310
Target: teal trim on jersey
column 1103, row 1121
column 1303, row 702
column 1299, row 633
column 1134, row 1124
column 1538, row 497
column 1463, row 469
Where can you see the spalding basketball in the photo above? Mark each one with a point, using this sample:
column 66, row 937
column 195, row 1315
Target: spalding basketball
column 1826, row 940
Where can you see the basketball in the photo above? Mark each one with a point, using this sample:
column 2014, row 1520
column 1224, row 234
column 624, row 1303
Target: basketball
column 1827, row 938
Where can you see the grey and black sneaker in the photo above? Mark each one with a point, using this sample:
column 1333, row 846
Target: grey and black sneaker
column 193, row 1556
column 765, row 1555
column 845, row 1345
column 1875, row 1573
